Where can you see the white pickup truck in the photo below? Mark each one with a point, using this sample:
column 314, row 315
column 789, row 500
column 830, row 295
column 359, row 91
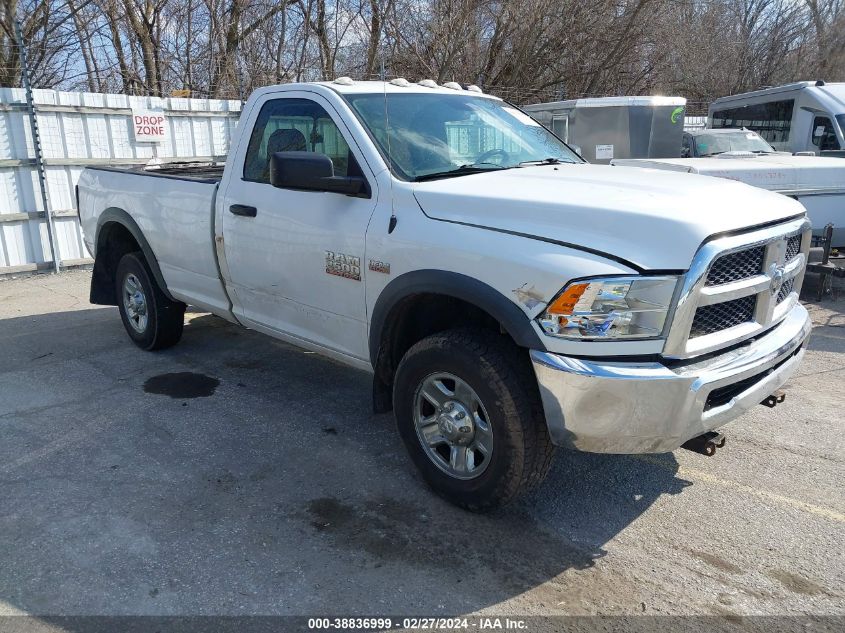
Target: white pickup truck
column 507, row 296
column 817, row 182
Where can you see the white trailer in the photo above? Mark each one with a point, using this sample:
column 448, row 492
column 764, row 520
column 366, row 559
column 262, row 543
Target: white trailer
column 616, row 127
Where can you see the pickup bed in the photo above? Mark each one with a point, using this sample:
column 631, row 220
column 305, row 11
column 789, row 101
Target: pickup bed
column 507, row 297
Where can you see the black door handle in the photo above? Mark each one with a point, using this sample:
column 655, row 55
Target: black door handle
column 244, row 210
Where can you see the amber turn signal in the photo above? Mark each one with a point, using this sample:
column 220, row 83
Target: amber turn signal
column 565, row 301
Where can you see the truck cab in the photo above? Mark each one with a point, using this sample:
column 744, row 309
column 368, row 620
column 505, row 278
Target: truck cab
column 708, row 143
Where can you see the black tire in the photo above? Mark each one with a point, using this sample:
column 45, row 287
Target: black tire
column 164, row 318
column 501, row 376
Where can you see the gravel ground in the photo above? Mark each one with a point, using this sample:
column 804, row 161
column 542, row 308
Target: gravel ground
column 276, row 491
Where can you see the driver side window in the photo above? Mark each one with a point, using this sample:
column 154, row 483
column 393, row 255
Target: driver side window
column 824, row 137
column 293, row 125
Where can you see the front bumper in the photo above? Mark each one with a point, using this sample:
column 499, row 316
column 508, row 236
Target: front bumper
column 617, row 407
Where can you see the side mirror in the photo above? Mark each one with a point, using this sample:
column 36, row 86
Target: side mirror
column 310, row 171
column 685, row 153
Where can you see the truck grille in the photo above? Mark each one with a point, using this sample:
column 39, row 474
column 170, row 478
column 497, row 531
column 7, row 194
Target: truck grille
column 793, row 246
column 785, row 289
column 736, row 266
column 742, row 280
column 721, row 316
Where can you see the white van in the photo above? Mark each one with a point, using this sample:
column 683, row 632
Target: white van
column 799, row 117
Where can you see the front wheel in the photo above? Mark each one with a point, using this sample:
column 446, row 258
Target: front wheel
column 468, row 412
column 151, row 319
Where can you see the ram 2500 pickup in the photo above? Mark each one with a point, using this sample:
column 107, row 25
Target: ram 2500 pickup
column 507, row 297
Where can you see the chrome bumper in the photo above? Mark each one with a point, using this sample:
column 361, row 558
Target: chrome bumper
column 613, row 407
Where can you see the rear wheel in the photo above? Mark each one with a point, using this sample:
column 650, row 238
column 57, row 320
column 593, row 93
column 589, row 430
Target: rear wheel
column 151, row 319
column 468, row 411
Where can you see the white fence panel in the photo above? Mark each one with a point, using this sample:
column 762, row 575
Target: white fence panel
column 80, row 129
column 693, row 123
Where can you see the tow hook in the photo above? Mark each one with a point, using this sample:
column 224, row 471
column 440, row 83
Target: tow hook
column 705, row 444
column 775, row 399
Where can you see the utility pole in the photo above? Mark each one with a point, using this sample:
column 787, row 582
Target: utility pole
column 240, row 74
column 36, row 143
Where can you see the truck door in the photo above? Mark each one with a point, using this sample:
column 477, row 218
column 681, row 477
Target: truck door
column 560, row 126
column 294, row 260
column 687, row 146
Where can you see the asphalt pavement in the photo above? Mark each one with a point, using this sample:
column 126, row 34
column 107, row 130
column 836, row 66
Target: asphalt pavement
column 238, row 475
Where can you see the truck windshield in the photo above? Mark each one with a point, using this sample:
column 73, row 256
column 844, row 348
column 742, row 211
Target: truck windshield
column 428, row 136
column 739, row 141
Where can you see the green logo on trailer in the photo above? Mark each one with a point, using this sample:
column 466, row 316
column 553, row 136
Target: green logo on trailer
column 676, row 113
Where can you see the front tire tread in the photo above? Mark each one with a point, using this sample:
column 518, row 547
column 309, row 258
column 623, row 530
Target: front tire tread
column 491, row 362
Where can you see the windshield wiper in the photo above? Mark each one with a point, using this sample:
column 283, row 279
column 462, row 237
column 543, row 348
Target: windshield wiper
column 546, row 161
column 469, row 168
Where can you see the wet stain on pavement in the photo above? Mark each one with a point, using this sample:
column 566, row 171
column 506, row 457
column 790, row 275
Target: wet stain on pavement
column 717, row 562
column 328, row 512
column 389, row 530
column 224, row 481
column 796, row 583
column 182, row 385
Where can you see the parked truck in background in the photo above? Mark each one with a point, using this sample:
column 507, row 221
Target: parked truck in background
column 817, row 182
column 506, row 296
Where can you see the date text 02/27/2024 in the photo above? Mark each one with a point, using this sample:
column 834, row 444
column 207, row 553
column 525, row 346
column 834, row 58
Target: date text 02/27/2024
column 481, row 623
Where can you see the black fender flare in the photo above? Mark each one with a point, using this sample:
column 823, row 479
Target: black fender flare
column 114, row 215
column 443, row 282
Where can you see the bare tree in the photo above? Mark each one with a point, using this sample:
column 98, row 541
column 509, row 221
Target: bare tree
column 525, row 50
column 48, row 32
column 827, row 18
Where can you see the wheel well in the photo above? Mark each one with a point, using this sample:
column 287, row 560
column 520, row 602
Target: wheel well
column 114, row 241
column 411, row 320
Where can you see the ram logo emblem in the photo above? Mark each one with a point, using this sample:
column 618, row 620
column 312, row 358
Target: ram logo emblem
column 776, row 273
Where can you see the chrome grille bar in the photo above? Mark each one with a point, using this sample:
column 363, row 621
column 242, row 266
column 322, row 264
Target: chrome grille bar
column 735, row 266
column 778, row 242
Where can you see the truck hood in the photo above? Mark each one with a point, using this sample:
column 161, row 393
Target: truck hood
column 655, row 220
column 775, row 172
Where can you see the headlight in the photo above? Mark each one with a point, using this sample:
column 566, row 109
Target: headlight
column 614, row 307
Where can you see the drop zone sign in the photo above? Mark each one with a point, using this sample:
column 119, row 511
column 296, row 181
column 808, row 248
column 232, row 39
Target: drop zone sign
column 149, row 126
